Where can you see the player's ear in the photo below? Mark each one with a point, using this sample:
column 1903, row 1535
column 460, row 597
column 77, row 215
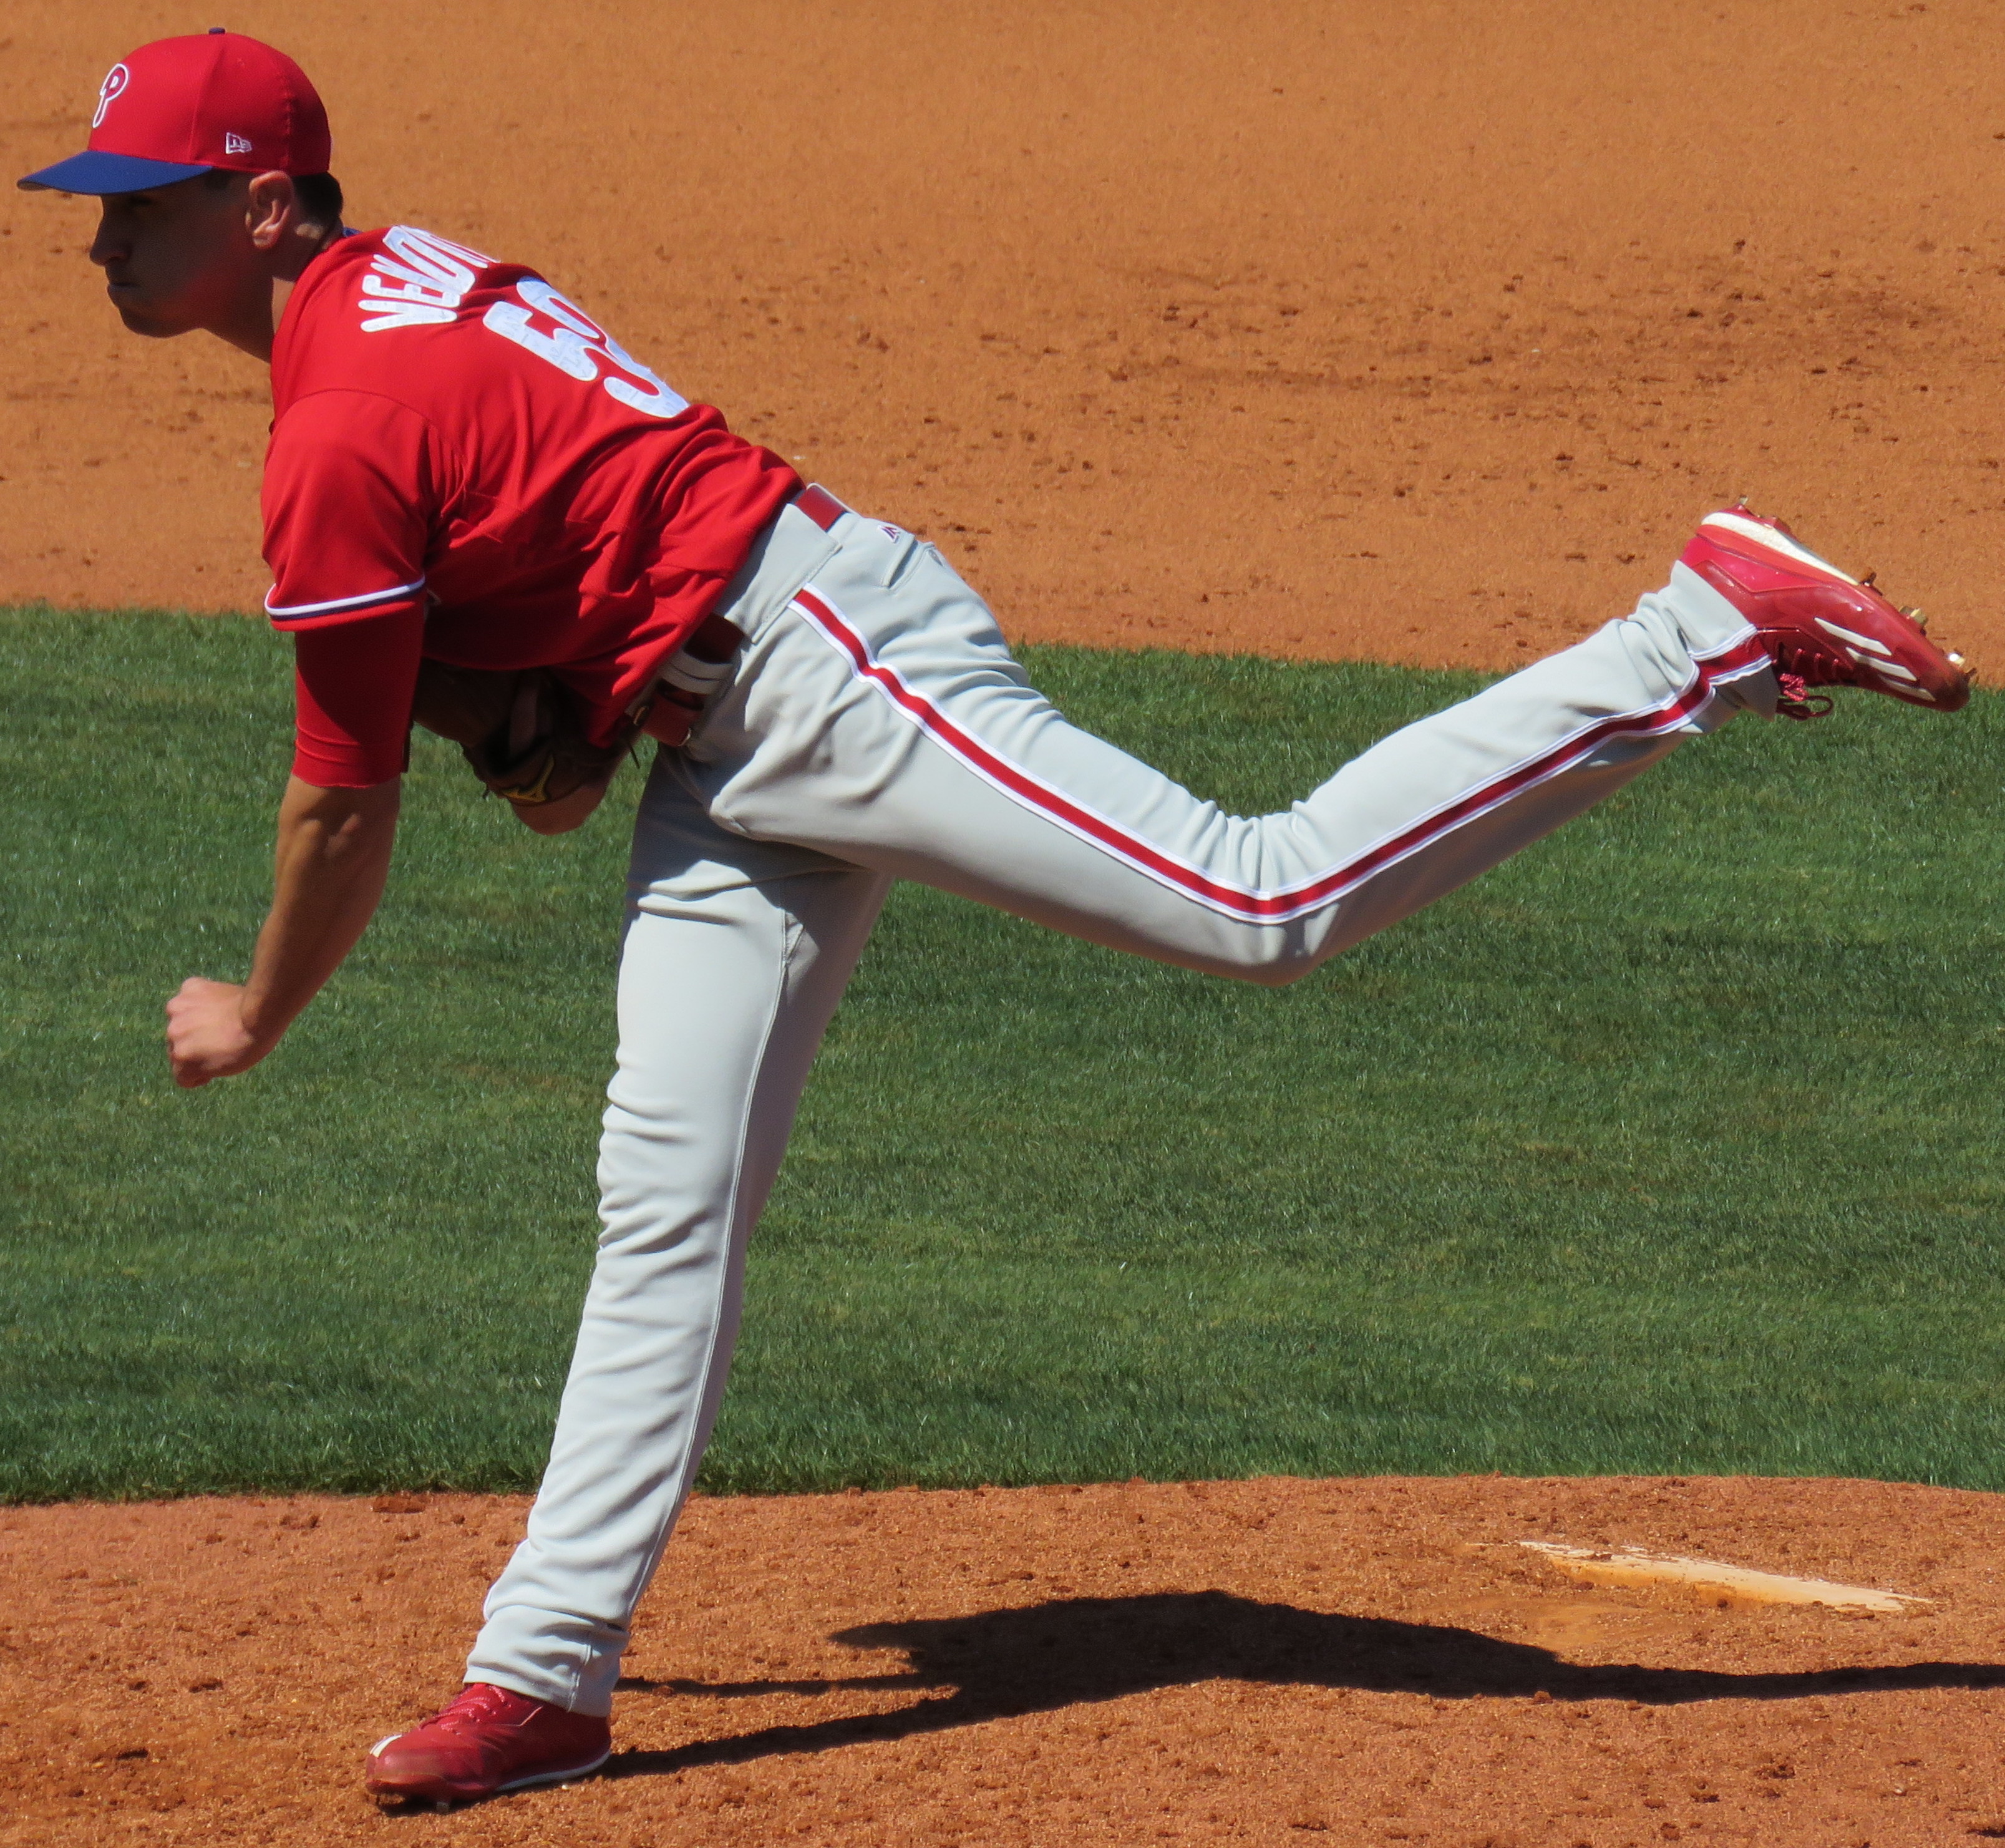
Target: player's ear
column 271, row 206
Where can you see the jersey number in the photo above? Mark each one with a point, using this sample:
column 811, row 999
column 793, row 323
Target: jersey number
column 577, row 344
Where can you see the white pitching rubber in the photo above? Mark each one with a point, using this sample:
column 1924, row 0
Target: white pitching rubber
column 1631, row 1566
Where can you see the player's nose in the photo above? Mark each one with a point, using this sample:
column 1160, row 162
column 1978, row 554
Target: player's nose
column 109, row 246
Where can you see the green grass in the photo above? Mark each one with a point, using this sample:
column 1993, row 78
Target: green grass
column 1672, row 1146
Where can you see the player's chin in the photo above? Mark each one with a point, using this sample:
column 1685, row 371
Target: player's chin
column 141, row 317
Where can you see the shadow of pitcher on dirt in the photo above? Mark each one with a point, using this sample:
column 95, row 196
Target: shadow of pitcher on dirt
column 997, row 1664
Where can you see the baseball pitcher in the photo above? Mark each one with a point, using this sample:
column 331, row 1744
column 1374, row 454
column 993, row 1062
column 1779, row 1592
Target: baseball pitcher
column 482, row 512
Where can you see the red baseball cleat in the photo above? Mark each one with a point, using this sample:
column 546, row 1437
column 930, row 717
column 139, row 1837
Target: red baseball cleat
column 1820, row 627
column 488, row 1741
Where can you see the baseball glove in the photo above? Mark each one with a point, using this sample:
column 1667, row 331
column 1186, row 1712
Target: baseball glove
column 522, row 731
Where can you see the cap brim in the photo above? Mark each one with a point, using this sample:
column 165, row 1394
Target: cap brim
column 100, row 172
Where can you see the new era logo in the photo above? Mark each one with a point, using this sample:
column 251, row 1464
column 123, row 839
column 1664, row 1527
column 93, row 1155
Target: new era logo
column 234, row 143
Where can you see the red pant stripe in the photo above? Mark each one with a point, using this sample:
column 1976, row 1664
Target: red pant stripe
column 1731, row 661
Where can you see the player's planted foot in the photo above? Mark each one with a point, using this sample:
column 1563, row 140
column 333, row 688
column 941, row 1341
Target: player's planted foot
column 488, row 1741
column 1820, row 627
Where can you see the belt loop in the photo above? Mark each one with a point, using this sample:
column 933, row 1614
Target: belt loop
column 684, row 683
column 820, row 505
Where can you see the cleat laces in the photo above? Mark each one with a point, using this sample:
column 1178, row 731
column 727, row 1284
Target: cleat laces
column 474, row 1707
column 1797, row 701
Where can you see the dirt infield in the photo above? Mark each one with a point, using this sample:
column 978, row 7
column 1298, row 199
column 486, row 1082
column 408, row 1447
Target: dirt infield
column 1276, row 1661
column 1422, row 331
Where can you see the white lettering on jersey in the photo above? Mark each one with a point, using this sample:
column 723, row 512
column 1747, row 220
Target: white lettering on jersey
column 579, row 346
column 417, row 280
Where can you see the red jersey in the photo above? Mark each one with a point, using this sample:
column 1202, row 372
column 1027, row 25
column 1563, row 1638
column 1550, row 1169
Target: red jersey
column 452, row 436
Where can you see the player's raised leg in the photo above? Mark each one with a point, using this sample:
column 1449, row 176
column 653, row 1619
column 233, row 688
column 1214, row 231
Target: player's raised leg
column 878, row 716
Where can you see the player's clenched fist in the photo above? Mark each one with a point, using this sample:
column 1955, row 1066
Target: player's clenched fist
column 206, row 1036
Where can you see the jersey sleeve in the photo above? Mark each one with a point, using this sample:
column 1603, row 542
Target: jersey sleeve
column 351, row 499
column 354, row 681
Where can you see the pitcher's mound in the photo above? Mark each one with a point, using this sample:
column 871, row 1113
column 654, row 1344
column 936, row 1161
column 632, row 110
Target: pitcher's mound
column 1277, row 1661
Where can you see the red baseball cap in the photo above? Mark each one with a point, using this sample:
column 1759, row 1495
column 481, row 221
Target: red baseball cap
column 179, row 106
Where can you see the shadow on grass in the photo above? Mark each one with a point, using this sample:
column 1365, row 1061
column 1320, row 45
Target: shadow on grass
column 997, row 1664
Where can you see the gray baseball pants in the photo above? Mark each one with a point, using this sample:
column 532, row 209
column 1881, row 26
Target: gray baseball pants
column 874, row 728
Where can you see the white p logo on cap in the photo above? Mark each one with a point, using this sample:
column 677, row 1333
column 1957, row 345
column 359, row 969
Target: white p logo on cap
column 110, row 91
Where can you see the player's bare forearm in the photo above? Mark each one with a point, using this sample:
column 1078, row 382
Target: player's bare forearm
column 333, row 855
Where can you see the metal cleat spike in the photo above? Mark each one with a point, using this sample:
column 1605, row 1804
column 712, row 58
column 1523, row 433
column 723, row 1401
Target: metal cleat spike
column 1869, row 580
